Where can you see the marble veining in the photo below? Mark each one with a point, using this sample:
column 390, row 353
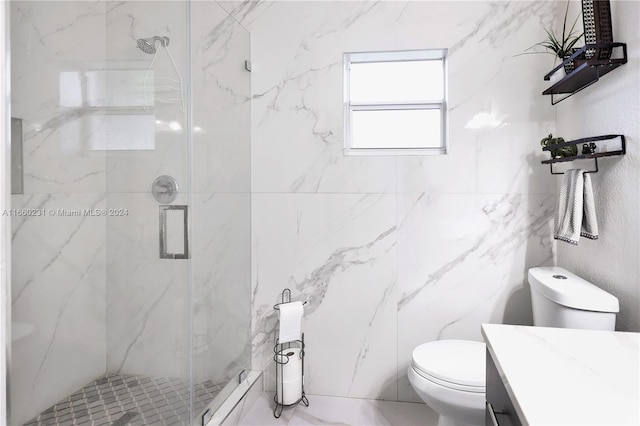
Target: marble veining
column 147, row 303
column 64, row 278
column 143, row 325
column 219, row 40
column 447, row 244
column 244, row 10
column 313, row 288
column 501, row 20
column 312, row 225
column 501, row 213
column 221, row 268
column 360, row 9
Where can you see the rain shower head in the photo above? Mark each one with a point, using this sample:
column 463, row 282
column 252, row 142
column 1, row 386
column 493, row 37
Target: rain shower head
column 148, row 45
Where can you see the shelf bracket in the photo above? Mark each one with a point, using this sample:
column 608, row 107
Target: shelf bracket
column 586, row 72
column 568, row 95
column 586, row 171
column 586, row 156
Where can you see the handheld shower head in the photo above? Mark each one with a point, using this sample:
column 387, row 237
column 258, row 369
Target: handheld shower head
column 148, row 45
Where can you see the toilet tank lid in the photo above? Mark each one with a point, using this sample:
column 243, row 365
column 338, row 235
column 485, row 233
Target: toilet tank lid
column 573, row 292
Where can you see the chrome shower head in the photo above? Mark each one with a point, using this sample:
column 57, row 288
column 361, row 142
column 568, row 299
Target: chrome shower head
column 148, row 45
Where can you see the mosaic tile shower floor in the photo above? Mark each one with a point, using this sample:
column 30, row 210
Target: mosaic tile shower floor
column 120, row 400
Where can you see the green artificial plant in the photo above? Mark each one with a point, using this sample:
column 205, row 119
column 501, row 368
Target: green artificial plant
column 559, row 46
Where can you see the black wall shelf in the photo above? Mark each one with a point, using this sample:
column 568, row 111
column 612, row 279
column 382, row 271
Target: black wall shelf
column 586, row 72
column 594, row 156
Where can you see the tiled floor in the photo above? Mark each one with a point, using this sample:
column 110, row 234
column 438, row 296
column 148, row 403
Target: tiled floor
column 119, row 400
column 323, row 410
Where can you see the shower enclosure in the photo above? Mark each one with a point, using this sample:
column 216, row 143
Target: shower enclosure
column 130, row 300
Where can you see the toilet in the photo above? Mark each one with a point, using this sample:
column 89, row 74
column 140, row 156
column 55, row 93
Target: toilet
column 449, row 375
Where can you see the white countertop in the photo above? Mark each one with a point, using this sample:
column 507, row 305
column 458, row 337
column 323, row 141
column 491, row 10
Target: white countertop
column 558, row 376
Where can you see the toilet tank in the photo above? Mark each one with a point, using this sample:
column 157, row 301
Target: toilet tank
column 562, row 299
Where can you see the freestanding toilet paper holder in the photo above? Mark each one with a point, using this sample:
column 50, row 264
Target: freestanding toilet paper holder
column 284, row 354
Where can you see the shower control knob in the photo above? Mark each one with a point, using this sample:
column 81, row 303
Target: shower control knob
column 164, row 189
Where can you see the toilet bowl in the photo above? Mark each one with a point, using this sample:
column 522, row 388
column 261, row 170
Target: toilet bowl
column 449, row 375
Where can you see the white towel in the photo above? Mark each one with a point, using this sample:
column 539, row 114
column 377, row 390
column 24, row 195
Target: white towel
column 589, row 221
column 575, row 211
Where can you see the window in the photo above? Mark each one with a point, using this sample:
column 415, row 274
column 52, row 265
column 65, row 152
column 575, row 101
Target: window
column 395, row 102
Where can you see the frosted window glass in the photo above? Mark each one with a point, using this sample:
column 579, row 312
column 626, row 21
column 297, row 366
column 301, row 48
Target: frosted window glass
column 401, row 82
column 406, row 128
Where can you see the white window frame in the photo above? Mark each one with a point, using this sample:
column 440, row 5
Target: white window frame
column 394, row 56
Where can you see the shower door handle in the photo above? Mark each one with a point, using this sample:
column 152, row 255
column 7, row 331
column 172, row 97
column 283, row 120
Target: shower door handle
column 174, row 232
column 17, row 174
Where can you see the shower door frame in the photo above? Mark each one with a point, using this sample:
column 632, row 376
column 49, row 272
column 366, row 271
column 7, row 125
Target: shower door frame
column 5, row 221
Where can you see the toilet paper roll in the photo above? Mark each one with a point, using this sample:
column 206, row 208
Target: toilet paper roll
column 290, row 325
column 291, row 389
column 292, row 369
column 291, row 392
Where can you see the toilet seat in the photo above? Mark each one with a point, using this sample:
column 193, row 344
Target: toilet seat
column 456, row 364
column 450, row 385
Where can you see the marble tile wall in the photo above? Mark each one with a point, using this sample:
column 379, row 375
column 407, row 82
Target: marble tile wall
column 58, row 261
column 392, row 252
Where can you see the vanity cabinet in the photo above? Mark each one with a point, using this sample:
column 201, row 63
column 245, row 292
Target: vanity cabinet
column 499, row 408
column 561, row 376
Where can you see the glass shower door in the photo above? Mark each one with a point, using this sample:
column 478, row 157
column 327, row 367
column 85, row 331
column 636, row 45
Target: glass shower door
column 101, row 320
column 221, row 200
column 148, row 266
column 131, row 234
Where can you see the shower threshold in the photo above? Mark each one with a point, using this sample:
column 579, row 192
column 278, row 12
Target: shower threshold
column 120, row 400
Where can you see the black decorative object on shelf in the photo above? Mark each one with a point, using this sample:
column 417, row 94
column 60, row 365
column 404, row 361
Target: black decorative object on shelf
column 596, row 17
column 591, row 145
column 586, row 71
column 589, row 148
column 564, row 151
